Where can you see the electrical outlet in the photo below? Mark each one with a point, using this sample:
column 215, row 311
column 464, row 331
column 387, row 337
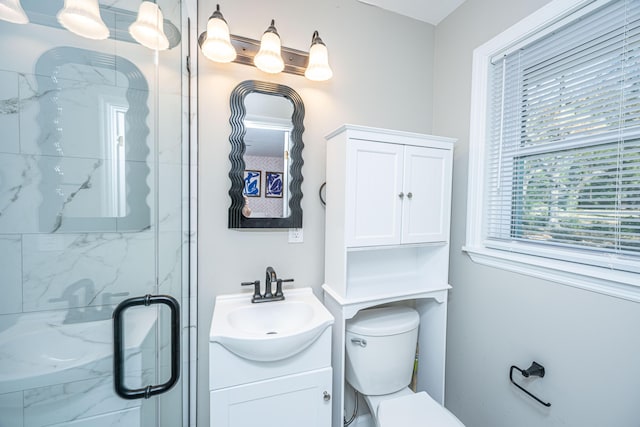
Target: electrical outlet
column 295, row 235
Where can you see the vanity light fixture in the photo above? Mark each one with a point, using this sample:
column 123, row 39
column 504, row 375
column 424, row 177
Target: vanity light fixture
column 82, row 17
column 217, row 44
column 148, row 30
column 268, row 54
column 269, row 57
column 12, row 11
column 318, row 68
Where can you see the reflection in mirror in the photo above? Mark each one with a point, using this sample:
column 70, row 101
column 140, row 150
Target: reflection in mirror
column 266, row 156
column 93, row 113
column 267, row 139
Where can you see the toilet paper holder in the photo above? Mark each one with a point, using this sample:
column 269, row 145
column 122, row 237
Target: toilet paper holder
column 535, row 370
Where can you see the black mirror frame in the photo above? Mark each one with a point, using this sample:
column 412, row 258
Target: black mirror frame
column 236, row 174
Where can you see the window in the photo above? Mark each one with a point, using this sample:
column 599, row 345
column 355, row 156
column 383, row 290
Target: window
column 556, row 135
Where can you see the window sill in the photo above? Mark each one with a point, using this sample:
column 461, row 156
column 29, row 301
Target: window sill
column 619, row 284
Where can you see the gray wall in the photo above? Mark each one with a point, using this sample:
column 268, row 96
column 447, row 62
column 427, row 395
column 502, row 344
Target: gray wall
column 382, row 66
column 589, row 343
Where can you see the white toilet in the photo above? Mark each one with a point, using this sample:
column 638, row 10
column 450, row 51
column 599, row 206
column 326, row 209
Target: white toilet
column 381, row 346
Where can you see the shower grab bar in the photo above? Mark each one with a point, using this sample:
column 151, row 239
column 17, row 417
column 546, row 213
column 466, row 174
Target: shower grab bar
column 118, row 347
column 535, row 370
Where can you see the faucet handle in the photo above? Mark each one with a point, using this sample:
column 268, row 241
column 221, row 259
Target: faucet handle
column 256, row 289
column 279, row 287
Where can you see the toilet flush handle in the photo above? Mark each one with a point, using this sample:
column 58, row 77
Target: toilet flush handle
column 361, row 342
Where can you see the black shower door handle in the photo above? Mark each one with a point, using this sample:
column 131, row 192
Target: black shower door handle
column 118, row 346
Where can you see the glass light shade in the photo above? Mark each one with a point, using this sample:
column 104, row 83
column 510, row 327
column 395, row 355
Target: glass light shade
column 318, row 68
column 12, row 11
column 217, row 46
column 148, row 30
column 269, row 58
column 82, row 17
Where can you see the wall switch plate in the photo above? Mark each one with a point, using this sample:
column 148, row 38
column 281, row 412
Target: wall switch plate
column 295, row 235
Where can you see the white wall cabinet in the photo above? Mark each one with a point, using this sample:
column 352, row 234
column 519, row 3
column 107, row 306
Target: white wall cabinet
column 426, row 204
column 396, row 193
column 388, row 211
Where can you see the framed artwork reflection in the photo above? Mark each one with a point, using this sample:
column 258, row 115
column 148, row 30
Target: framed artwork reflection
column 252, row 183
column 273, row 184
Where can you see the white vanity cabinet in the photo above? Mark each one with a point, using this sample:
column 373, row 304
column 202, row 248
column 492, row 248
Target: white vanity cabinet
column 291, row 401
column 397, row 191
column 388, row 200
column 292, row 392
column 270, row 364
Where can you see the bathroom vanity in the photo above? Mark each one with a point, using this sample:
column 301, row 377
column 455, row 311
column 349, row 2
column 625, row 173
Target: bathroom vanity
column 270, row 363
column 388, row 201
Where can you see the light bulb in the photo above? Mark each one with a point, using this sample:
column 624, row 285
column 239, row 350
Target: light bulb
column 82, row 17
column 217, row 45
column 318, row 68
column 12, row 11
column 269, row 58
column 148, row 30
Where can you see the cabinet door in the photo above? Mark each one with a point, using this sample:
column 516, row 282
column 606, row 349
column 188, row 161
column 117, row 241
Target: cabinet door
column 427, row 201
column 374, row 183
column 290, row 401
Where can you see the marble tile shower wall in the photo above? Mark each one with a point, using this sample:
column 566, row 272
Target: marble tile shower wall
column 27, row 226
column 53, row 230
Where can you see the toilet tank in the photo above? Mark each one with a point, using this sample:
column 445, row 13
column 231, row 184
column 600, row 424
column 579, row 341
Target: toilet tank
column 380, row 349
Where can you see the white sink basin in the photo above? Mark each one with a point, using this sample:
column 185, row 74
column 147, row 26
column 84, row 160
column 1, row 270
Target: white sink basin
column 268, row 331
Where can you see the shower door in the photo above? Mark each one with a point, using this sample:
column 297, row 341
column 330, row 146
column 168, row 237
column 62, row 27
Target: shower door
column 93, row 176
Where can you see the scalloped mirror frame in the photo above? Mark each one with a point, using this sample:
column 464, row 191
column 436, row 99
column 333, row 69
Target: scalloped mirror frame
column 238, row 148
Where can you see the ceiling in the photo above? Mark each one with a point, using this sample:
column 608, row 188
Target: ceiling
column 430, row 11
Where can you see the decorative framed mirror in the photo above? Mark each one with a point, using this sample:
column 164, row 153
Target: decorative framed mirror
column 266, row 156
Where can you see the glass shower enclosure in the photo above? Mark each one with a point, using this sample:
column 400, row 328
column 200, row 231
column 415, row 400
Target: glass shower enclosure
column 93, row 220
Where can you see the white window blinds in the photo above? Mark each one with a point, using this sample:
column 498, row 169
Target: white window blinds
column 564, row 138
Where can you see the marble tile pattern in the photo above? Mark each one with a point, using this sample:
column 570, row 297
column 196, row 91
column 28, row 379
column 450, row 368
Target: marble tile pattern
column 10, row 251
column 11, row 409
column 61, row 249
column 9, row 112
column 109, row 264
column 62, row 172
column 63, row 403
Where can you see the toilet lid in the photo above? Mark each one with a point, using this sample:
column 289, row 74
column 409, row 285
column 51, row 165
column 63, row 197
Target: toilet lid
column 415, row 410
column 382, row 322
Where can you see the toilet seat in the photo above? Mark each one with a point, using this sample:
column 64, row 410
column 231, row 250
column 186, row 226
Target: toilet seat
column 415, row 410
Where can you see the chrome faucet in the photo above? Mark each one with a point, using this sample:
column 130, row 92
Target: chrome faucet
column 270, row 277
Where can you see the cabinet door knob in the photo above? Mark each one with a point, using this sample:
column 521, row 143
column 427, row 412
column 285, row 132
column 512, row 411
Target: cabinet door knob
column 409, row 194
column 401, row 195
column 326, row 396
